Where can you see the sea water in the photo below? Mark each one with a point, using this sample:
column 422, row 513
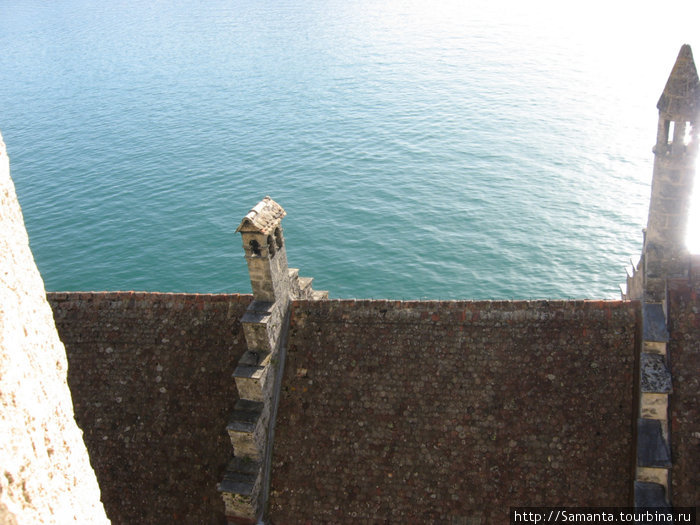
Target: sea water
column 422, row 149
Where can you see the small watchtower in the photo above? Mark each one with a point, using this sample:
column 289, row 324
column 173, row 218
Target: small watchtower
column 258, row 376
column 665, row 254
column 265, row 253
column 664, row 258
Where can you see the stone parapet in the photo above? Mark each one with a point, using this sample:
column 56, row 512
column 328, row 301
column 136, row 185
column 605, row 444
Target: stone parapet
column 654, row 378
column 258, row 373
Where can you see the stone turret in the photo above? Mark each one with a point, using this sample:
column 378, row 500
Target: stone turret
column 664, row 257
column 265, row 251
column 665, row 254
column 259, row 372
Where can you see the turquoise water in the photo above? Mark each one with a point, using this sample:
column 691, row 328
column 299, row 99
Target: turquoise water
column 421, row 149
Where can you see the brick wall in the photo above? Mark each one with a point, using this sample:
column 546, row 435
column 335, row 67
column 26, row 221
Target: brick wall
column 444, row 412
column 684, row 402
column 150, row 375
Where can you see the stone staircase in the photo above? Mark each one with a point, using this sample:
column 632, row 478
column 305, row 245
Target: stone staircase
column 300, row 287
column 651, row 486
column 258, row 375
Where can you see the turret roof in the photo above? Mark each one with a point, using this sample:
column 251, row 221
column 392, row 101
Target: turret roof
column 681, row 97
column 264, row 217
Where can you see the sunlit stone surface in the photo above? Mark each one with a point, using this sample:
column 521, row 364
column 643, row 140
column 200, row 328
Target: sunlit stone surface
column 45, row 475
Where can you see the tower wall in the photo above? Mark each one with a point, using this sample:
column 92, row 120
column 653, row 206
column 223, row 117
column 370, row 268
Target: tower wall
column 46, row 475
column 675, row 152
column 665, row 254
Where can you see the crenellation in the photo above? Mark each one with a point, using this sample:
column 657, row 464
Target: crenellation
column 257, row 375
column 248, row 429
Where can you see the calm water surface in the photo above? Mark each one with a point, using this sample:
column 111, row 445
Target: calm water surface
column 421, row 149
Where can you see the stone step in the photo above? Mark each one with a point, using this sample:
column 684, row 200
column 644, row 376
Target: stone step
column 241, row 488
column 319, row 295
column 256, row 325
column 252, row 381
column 650, row 496
column 247, row 429
column 652, row 447
column 254, row 358
column 293, row 273
column 655, row 375
column 654, row 323
column 654, row 406
column 305, row 283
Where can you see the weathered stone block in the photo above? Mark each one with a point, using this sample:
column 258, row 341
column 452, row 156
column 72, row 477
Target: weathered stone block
column 248, row 429
column 649, row 495
column 654, row 406
column 251, row 381
column 255, row 325
column 655, row 375
column 652, row 447
column 653, row 475
column 654, row 323
column 653, row 347
column 241, row 488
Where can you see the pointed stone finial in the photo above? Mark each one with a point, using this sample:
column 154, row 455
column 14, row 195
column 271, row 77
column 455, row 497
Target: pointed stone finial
column 680, row 100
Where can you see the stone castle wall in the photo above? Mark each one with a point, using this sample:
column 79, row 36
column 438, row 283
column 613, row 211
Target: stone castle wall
column 151, row 377
column 446, row 412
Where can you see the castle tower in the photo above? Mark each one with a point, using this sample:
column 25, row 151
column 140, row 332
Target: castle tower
column 245, row 486
column 664, row 257
column 265, row 252
column 675, row 151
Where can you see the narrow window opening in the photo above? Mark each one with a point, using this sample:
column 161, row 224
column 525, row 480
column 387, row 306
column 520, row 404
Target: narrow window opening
column 271, row 245
column 254, row 247
column 688, row 134
column 669, row 132
column 278, row 238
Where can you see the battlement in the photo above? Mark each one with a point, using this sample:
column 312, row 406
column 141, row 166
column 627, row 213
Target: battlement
column 258, row 375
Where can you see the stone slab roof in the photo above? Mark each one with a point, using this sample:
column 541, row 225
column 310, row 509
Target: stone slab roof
column 681, row 96
column 264, row 217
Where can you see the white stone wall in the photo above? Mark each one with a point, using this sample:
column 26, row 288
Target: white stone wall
column 45, row 474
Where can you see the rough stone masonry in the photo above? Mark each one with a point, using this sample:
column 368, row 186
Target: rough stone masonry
column 45, row 474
